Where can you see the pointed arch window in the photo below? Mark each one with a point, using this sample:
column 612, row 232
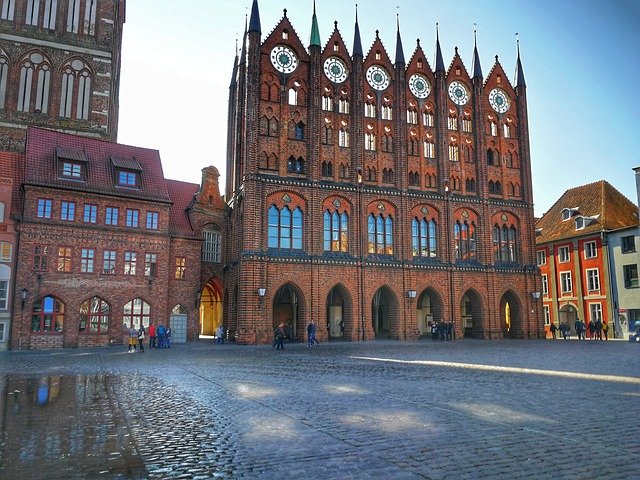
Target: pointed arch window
column 414, row 147
column 454, row 152
column 380, row 234
column 414, row 179
column 90, row 17
column 327, row 169
column 327, row 135
column 387, row 143
column 493, row 128
column 295, row 165
column 336, row 231
column 506, row 130
column 36, row 71
column 344, row 170
column 505, row 243
column 75, row 91
column 73, row 16
column 4, row 74
column 343, row 105
column 429, row 149
column 369, row 141
column 452, row 123
column 285, row 228
column 412, row 117
column 94, row 316
column 47, row 316
column 293, row 96
column 372, row 174
column 299, row 131
column 467, row 125
column 387, row 112
column 26, row 84
column 464, row 234
column 343, row 139
column 32, row 12
column 327, row 103
column 424, row 237
column 50, row 11
column 427, row 119
column 490, row 157
column 470, row 185
column 135, row 313
column 370, row 110
column 8, row 9
column 388, row 175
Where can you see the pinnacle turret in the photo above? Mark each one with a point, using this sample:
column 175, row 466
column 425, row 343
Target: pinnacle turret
column 439, row 61
column 519, row 72
column 477, row 69
column 357, row 44
column 314, row 39
column 399, row 51
column 254, row 22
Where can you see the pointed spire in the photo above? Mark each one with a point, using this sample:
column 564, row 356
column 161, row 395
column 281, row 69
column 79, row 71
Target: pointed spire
column 519, row 73
column 314, row 40
column 243, row 52
column 357, row 44
column 234, row 74
column 477, row 69
column 254, row 22
column 399, row 52
column 439, row 61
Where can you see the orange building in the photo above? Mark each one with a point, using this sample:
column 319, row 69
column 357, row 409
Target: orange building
column 572, row 253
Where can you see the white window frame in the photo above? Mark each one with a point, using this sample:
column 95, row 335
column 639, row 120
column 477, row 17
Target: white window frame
column 73, row 16
column 327, row 103
column 4, row 74
column 343, row 106
column 595, row 311
column 32, row 12
column 547, row 315
column 343, row 138
column 429, row 149
column 545, row 285
column 566, row 283
column 211, row 246
column 590, row 249
column 593, row 279
column 50, row 12
column 412, row 117
column 541, row 257
column 3, row 332
column 90, row 17
column 564, row 254
column 427, row 119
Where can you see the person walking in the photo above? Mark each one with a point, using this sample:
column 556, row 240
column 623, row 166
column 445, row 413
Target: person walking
column 605, row 329
column 141, row 338
column 152, row 336
column 553, row 330
column 599, row 329
column 220, row 334
column 434, row 331
column 133, row 340
column 279, row 334
column 309, row 335
column 312, row 337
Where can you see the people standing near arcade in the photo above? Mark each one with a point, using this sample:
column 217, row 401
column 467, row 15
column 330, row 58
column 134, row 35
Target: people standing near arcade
column 152, row 336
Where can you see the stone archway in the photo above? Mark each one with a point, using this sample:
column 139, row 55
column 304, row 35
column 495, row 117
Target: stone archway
column 471, row 315
column 287, row 308
column 210, row 313
column 338, row 322
column 511, row 316
column 569, row 315
column 384, row 314
column 430, row 311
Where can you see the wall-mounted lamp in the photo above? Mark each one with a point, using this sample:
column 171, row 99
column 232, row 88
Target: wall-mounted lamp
column 197, row 298
column 24, row 294
column 535, row 295
column 411, row 294
column 262, row 292
column 446, row 187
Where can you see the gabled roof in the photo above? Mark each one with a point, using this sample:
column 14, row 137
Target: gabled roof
column 101, row 158
column 606, row 206
column 181, row 194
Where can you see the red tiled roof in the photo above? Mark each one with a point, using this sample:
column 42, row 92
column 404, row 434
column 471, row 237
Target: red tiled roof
column 12, row 166
column 41, row 168
column 181, row 194
column 609, row 209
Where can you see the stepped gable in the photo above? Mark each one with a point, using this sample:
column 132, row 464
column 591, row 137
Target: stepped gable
column 599, row 200
column 101, row 157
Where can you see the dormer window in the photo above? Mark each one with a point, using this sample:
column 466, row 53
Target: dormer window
column 127, row 179
column 579, row 223
column 582, row 221
column 73, row 170
column 72, row 163
column 126, row 171
column 567, row 213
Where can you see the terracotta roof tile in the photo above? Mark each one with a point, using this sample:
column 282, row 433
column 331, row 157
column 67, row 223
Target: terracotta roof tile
column 41, row 168
column 181, row 194
column 607, row 208
column 12, row 166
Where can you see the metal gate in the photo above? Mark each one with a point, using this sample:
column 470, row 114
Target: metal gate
column 178, row 328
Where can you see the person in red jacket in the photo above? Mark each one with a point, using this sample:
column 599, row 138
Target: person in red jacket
column 152, row 336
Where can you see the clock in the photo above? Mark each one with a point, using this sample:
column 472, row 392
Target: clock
column 283, row 59
column 458, row 93
column 499, row 100
column 377, row 77
column 335, row 70
column 419, row 85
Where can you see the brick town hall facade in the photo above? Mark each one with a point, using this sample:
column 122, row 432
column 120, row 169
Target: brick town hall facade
column 375, row 197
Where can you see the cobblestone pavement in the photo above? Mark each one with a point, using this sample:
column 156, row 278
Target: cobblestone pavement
column 424, row 410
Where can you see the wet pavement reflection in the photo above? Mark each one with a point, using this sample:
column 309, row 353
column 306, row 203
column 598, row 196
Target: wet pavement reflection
column 64, row 426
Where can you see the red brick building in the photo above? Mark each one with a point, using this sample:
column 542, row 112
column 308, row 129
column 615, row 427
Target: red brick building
column 10, row 164
column 572, row 253
column 59, row 67
column 376, row 196
column 106, row 242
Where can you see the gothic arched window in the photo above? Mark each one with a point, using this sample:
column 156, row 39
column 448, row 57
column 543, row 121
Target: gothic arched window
column 380, row 234
column 423, row 237
column 464, row 234
column 94, row 316
column 336, row 230
column 285, row 228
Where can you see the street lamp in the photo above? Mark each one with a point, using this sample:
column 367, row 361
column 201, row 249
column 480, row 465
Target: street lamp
column 535, row 295
column 24, row 294
column 411, row 294
column 262, row 292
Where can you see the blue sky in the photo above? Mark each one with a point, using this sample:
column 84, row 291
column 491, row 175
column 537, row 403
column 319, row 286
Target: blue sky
column 579, row 58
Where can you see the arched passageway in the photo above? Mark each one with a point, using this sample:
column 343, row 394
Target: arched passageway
column 471, row 315
column 511, row 316
column 210, row 307
column 338, row 317
column 430, row 311
column 287, row 308
column 384, row 313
